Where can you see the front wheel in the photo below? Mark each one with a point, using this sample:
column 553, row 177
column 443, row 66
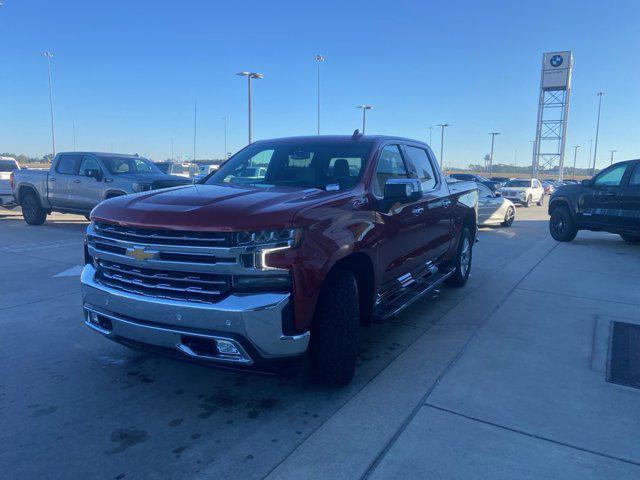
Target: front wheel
column 32, row 212
column 562, row 226
column 509, row 217
column 630, row 238
column 334, row 334
column 462, row 262
column 527, row 202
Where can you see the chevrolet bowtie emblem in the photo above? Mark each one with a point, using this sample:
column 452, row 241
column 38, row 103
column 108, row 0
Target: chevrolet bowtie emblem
column 141, row 254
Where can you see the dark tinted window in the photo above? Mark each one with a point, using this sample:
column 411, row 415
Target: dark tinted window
column 390, row 165
column 69, row 164
column 462, row 176
column 420, row 160
column 484, row 191
column 117, row 165
column 611, row 177
column 89, row 163
column 8, row 166
column 635, row 176
column 518, row 183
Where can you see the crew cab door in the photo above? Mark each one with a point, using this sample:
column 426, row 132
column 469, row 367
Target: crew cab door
column 88, row 190
column 61, row 181
column 629, row 200
column 602, row 199
column 401, row 248
column 435, row 204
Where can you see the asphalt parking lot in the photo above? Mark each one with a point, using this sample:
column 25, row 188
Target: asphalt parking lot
column 431, row 387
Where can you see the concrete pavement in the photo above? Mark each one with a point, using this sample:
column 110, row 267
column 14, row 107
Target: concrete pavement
column 503, row 378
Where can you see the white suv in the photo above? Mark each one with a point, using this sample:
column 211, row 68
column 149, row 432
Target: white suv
column 524, row 191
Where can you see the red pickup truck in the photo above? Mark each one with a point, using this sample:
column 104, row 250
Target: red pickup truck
column 281, row 253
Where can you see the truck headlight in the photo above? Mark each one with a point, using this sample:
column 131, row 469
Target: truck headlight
column 261, row 243
column 276, row 238
column 140, row 187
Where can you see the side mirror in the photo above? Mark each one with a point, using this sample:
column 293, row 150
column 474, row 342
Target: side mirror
column 586, row 182
column 93, row 173
column 497, row 194
column 402, row 190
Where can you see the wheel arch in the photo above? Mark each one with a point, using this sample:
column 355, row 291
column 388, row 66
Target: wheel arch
column 361, row 266
column 113, row 193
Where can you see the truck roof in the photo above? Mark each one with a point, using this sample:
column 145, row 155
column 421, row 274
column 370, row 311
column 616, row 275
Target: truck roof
column 105, row 154
column 339, row 138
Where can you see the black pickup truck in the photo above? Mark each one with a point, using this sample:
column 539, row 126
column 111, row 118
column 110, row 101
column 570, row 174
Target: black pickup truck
column 609, row 202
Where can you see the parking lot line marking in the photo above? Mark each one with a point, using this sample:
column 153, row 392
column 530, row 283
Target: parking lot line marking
column 70, row 272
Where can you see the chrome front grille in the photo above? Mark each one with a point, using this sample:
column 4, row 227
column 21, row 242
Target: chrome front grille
column 197, row 287
column 163, row 237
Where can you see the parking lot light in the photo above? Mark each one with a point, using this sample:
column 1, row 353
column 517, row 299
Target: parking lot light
column 250, row 75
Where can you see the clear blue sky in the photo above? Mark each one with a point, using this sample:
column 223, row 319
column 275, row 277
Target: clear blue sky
column 128, row 72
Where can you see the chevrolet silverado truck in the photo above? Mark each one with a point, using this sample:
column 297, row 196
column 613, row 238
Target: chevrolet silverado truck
column 78, row 181
column 609, row 202
column 330, row 232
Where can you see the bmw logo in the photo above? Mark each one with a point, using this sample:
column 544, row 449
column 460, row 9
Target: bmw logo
column 556, row 61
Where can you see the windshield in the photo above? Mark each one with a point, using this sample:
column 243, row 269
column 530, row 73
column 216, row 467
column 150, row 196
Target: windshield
column 118, row 165
column 518, row 183
column 323, row 165
column 8, row 165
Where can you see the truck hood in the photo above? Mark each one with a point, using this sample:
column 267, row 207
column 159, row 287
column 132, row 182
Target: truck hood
column 209, row 207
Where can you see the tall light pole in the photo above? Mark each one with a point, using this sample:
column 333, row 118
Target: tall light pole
column 493, row 137
column 442, row 127
column 250, row 75
column 612, row 152
column 575, row 156
column 172, row 149
column 595, row 148
column 430, row 135
column 319, row 59
column 590, row 152
column 533, row 159
column 195, row 128
column 49, row 56
column 74, row 136
column 364, row 114
column 226, row 152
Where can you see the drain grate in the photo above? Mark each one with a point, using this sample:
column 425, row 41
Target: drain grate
column 624, row 354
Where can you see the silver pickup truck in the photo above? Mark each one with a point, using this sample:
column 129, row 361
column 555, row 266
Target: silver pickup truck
column 78, row 181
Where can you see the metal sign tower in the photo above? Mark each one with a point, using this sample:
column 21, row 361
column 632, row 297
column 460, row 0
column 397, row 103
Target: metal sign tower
column 553, row 111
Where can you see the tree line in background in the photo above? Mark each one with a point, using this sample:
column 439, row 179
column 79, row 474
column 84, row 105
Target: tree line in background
column 24, row 159
column 525, row 170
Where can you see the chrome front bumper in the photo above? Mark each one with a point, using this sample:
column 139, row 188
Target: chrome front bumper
column 251, row 323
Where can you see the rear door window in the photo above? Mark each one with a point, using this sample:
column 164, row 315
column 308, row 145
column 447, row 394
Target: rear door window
column 390, row 165
column 419, row 158
column 69, row 164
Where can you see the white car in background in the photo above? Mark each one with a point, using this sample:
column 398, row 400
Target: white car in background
column 493, row 208
column 7, row 166
column 524, row 191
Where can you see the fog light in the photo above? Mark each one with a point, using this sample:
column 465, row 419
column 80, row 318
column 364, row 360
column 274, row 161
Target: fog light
column 226, row 348
column 93, row 318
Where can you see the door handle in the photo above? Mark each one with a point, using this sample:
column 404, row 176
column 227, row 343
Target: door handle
column 52, row 179
column 77, row 181
column 418, row 211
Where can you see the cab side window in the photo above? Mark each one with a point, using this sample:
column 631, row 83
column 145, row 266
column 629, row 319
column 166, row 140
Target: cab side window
column 611, row 177
column 483, row 191
column 69, row 164
column 635, row 176
column 89, row 163
column 390, row 165
column 424, row 169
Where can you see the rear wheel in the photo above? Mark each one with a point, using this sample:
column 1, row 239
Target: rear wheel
column 32, row 212
column 630, row 238
column 541, row 202
column 462, row 262
column 509, row 217
column 334, row 335
column 562, row 226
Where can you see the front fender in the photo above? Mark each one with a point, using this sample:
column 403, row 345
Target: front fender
column 557, row 201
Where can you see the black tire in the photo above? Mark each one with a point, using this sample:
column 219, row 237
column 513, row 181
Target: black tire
column 509, row 217
column 562, row 226
column 541, row 202
column 334, row 334
column 630, row 238
column 463, row 260
column 527, row 203
column 32, row 211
